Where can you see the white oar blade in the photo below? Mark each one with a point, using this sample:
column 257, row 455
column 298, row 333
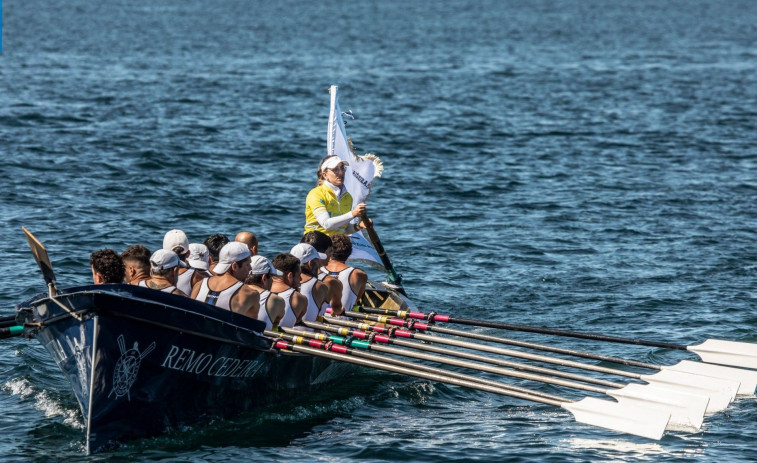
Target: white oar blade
column 628, row 418
column 737, row 354
column 721, row 392
column 746, row 378
column 686, row 410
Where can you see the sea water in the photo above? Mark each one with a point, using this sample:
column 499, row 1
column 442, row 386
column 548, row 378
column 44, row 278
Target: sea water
column 574, row 164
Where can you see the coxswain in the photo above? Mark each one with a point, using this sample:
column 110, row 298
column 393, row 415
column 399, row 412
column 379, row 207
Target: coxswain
column 164, row 272
column 353, row 280
column 322, row 243
column 107, row 267
column 250, row 240
column 136, row 259
column 328, row 207
column 260, row 278
column 311, row 287
column 285, row 285
column 226, row 289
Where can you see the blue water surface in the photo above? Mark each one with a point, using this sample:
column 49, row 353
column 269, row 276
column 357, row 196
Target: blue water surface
column 576, row 164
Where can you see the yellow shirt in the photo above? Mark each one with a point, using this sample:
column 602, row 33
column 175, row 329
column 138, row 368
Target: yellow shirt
column 323, row 197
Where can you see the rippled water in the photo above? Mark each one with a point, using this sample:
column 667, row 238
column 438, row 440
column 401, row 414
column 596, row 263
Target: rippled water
column 574, row 164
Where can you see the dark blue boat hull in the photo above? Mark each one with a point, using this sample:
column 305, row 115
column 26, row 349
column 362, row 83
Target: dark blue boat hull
column 141, row 362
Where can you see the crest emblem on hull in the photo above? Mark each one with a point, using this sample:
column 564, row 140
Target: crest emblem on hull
column 83, row 361
column 127, row 368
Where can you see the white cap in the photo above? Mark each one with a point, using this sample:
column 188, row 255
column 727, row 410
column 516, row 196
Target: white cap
column 262, row 266
column 333, row 161
column 199, row 256
column 306, row 252
column 174, row 239
column 233, row 251
column 163, row 259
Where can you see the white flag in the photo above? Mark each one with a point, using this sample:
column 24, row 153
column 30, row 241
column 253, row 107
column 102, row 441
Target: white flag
column 358, row 177
column 362, row 169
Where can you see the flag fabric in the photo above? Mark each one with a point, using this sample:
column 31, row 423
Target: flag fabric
column 362, row 169
column 358, row 178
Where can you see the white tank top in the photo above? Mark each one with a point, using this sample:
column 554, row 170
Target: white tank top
column 322, row 274
column 289, row 317
column 185, row 281
column 167, row 289
column 220, row 299
column 306, row 289
column 263, row 312
column 348, row 295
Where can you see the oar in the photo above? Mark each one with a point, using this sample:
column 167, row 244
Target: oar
column 391, row 339
column 640, row 421
column 721, row 392
column 687, row 410
column 354, row 346
column 747, row 378
column 392, row 276
column 733, row 353
column 4, row 323
column 11, row 331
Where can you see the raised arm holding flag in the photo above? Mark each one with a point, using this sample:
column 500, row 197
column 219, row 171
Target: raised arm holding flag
column 328, row 207
column 337, row 204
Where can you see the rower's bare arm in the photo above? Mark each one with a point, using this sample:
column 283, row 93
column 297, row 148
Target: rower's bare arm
column 276, row 309
column 195, row 289
column 320, row 293
column 299, row 306
column 335, row 295
column 358, row 279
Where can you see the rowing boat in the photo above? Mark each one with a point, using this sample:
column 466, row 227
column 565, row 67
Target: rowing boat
column 142, row 362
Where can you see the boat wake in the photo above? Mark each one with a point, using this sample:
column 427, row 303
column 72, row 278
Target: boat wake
column 42, row 401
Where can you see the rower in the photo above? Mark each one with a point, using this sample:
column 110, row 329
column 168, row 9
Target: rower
column 107, row 267
column 197, row 267
column 260, row 278
column 285, row 285
column 176, row 241
column 226, row 289
column 313, row 289
column 250, row 240
column 215, row 243
column 322, row 243
column 136, row 259
column 328, row 207
column 353, row 280
column 164, row 272
column 199, row 257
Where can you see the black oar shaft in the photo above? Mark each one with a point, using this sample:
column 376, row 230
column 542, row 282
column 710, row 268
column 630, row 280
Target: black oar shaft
column 533, row 329
column 476, row 357
column 412, row 372
column 566, row 333
column 529, row 345
column 11, row 331
column 460, row 363
column 7, row 323
column 507, row 352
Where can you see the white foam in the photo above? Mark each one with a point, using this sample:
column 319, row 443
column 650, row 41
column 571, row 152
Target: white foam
column 50, row 407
